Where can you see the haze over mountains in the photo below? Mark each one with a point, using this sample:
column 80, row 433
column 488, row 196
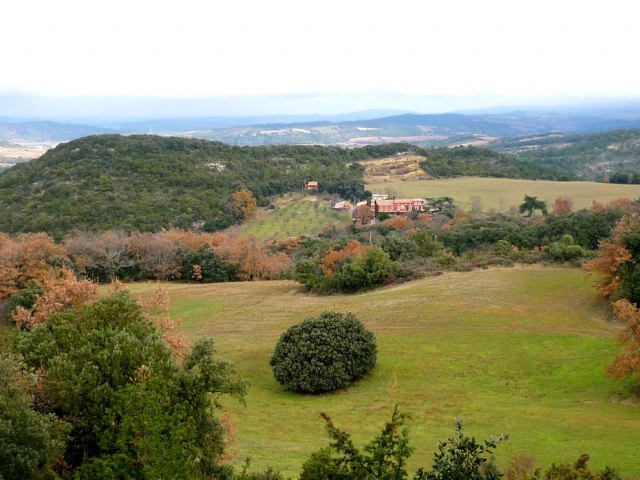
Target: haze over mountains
column 361, row 127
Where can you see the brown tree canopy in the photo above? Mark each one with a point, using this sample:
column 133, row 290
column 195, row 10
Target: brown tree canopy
column 612, row 256
column 562, row 205
column 244, row 204
column 27, row 257
column 628, row 362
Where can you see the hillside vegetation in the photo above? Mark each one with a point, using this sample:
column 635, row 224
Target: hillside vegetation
column 147, row 183
column 588, row 156
column 518, row 351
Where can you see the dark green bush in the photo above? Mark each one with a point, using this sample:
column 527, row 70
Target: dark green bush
column 324, row 353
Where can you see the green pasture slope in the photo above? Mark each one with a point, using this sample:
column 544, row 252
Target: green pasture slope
column 305, row 216
column 518, row 351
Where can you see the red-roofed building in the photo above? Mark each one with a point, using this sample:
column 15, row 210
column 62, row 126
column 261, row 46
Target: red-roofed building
column 400, row 205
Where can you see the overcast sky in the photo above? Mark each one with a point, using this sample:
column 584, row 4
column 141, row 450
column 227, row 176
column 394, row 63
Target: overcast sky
column 488, row 52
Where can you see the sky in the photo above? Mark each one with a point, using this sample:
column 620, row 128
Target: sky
column 270, row 57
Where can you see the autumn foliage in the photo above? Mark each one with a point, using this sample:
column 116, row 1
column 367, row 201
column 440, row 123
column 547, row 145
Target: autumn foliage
column 399, row 223
column 352, row 249
column 612, row 255
column 628, row 361
column 62, row 291
column 243, row 203
column 562, row 205
column 25, row 258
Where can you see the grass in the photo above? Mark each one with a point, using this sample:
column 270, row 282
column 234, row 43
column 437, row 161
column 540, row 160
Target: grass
column 298, row 217
column 501, row 194
column 518, row 351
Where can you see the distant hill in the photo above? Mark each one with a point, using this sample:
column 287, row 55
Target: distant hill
column 146, row 183
column 49, row 132
column 425, row 130
column 589, row 156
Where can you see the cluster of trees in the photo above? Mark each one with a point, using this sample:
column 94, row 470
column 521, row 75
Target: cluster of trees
column 404, row 247
column 617, row 268
column 96, row 391
column 172, row 254
column 624, row 178
column 483, row 162
column 586, row 156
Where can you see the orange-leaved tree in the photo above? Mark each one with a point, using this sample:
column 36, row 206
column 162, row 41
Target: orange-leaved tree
column 562, row 205
column 352, row 249
column 399, row 223
column 25, row 258
column 628, row 361
column 157, row 310
column 243, row 203
column 62, row 291
column 615, row 265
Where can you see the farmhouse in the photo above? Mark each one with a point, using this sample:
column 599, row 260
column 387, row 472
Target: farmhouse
column 400, row 205
column 311, row 186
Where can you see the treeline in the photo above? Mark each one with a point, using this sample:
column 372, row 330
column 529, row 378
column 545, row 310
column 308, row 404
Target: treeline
column 482, row 162
column 343, row 258
column 170, row 255
column 586, row 156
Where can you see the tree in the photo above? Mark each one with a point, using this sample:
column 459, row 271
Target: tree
column 364, row 272
column 628, row 361
column 243, row 204
column 156, row 254
column 462, row 458
column 617, row 263
column 29, row 440
column 133, row 407
column 384, row 458
column 364, row 215
column 562, row 205
column 324, row 353
column 531, row 204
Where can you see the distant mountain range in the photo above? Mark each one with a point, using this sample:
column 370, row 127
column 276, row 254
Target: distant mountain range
column 47, row 132
column 358, row 128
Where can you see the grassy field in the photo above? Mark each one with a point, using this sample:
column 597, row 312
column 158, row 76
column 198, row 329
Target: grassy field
column 301, row 216
column 518, row 351
column 501, row 194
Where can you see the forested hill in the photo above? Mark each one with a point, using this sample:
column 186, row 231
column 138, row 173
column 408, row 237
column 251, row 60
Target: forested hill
column 146, row 183
column 482, row 162
column 588, row 156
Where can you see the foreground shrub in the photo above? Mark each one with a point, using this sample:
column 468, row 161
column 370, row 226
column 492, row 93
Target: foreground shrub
column 324, row 353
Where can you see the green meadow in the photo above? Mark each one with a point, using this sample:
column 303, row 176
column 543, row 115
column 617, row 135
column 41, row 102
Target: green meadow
column 302, row 216
column 518, row 351
column 501, row 194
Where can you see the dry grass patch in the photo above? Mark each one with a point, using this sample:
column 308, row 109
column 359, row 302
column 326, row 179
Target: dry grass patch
column 502, row 194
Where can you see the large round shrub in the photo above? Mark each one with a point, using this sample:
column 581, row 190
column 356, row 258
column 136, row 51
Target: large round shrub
column 324, row 353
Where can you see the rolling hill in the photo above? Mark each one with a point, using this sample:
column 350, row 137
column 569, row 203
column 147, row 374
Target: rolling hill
column 588, row 156
column 147, row 183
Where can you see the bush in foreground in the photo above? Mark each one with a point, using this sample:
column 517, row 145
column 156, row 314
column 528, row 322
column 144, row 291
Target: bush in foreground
column 324, row 353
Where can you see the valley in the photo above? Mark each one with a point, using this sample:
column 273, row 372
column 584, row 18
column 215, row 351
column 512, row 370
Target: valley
column 519, row 351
